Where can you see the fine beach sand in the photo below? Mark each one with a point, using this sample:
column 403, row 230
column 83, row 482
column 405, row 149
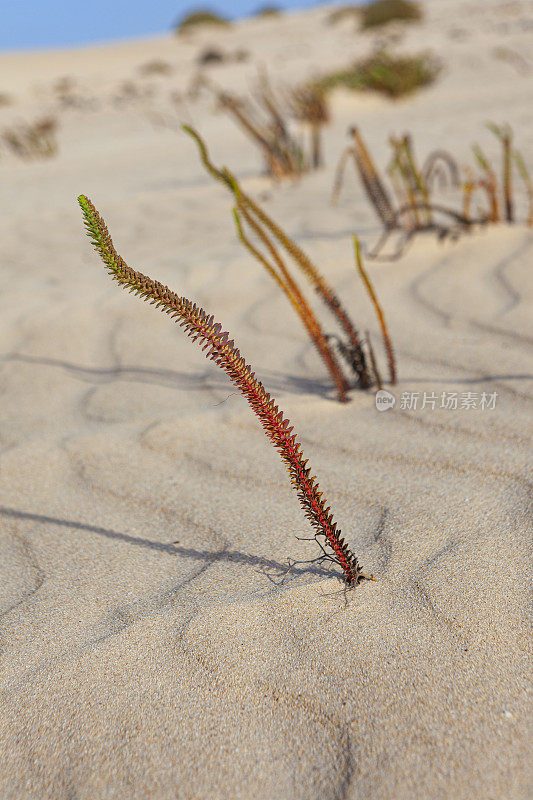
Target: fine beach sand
column 146, row 648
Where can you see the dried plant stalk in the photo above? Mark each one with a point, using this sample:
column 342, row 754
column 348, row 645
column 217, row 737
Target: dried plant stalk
column 373, row 362
column 379, row 311
column 468, row 186
column 403, row 164
column 311, row 272
column 281, row 150
column 489, row 183
column 278, row 160
column 202, row 328
column 505, row 135
column 420, row 189
column 526, row 177
column 308, row 103
column 436, row 159
column 370, row 179
column 296, row 299
column 284, row 281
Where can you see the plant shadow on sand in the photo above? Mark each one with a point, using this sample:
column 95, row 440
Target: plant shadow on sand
column 174, row 379
column 184, row 381
column 209, row 557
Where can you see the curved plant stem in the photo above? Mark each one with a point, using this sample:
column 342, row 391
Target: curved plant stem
column 526, row 177
column 296, row 299
column 219, row 348
column 379, row 312
column 489, row 183
column 299, row 257
column 373, row 362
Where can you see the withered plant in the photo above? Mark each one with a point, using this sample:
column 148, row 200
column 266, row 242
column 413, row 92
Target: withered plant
column 268, row 118
column 370, row 178
column 414, row 193
column 217, row 346
column 264, row 122
column 381, row 318
column 442, row 167
column 488, row 183
column 308, row 104
column 32, row 140
column 274, row 238
column 505, row 135
column 526, row 177
column 488, row 180
column 412, row 211
column 412, row 208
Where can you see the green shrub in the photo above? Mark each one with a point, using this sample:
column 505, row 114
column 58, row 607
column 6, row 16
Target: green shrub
column 379, row 12
column 203, row 16
column 394, row 76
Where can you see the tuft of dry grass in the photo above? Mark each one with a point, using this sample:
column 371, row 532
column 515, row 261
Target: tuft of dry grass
column 199, row 18
column 381, row 12
column 394, row 76
column 308, row 103
column 32, row 140
column 266, row 119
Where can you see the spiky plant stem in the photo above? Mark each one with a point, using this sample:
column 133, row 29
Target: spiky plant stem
column 372, row 182
column 219, row 348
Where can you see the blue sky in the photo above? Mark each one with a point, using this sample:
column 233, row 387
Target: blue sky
column 29, row 24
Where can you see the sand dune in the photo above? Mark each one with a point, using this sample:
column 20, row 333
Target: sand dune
column 147, row 647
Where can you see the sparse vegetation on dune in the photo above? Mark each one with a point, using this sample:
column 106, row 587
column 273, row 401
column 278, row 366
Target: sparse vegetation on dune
column 32, row 140
column 277, row 248
column 266, row 118
column 394, row 76
column 308, row 103
column 381, row 12
column 200, row 18
column 411, row 207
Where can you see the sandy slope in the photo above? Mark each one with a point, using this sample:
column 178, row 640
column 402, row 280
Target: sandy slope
column 136, row 667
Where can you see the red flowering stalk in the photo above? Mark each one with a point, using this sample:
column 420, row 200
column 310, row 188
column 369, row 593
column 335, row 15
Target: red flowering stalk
column 219, row 348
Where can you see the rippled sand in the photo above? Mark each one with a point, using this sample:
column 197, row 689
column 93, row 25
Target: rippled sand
column 146, row 648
